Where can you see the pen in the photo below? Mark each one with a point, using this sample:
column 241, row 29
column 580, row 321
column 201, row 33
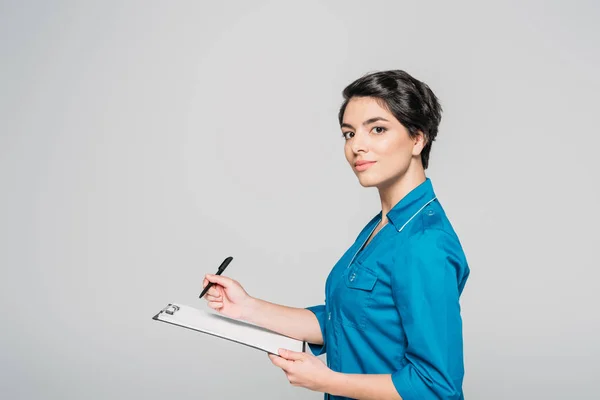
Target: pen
column 224, row 265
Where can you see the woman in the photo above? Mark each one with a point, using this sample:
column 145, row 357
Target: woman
column 391, row 323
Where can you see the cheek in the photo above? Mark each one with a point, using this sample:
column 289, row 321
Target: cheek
column 348, row 152
column 395, row 151
column 392, row 147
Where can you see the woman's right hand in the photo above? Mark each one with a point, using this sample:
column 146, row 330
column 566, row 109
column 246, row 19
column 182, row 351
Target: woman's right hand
column 226, row 296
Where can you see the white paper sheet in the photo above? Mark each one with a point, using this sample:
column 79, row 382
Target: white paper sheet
column 218, row 325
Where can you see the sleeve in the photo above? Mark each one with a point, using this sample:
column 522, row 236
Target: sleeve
column 429, row 273
column 320, row 312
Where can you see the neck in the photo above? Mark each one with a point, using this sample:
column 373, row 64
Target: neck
column 391, row 194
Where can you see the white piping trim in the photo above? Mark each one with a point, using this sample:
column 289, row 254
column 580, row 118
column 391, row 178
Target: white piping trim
column 415, row 214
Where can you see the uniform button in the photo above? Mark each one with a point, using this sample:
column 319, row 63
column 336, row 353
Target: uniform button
column 352, row 277
column 329, row 316
column 430, row 212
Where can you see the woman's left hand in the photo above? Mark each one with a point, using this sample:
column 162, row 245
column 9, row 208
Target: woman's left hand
column 303, row 369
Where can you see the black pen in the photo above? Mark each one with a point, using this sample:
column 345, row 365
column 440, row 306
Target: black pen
column 224, row 265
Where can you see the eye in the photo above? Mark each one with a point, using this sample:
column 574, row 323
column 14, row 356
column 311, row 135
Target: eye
column 347, row 135
column 379, row 130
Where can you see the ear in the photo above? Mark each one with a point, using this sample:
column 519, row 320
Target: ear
column 419, row 142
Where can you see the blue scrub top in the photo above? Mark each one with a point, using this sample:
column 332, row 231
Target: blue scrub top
column 392, row 307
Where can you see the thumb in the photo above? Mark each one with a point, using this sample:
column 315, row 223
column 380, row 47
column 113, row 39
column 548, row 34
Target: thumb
column 291, row 355
column 219, row 280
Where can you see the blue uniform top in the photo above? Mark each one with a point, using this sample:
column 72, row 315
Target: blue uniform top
column 392, row 307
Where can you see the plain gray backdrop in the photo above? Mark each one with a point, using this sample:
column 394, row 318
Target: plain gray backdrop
column 142, row 142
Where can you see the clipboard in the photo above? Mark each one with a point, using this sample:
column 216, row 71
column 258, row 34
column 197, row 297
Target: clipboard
column 228, row 328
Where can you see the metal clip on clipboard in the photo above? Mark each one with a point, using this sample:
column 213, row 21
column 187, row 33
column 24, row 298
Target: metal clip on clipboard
column 170, row 309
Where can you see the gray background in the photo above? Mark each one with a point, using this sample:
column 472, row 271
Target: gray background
column 143, row 142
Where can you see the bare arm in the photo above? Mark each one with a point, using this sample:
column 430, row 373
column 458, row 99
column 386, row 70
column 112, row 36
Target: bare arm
column 298, row 323
column 229, row 298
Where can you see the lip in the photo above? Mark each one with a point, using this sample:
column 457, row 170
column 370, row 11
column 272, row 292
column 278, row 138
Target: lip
column 363, row 165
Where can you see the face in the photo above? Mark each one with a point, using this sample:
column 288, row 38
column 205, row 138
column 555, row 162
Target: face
column 378, row 147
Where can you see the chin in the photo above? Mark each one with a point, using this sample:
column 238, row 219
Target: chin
column 367, row 181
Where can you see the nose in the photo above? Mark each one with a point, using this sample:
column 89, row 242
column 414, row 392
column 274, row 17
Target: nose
column 360, row 143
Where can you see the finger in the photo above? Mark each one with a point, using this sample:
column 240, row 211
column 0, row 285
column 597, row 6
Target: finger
column 273, row 358
column 204, row 283
column 292, row 355
column 214, row 295
column 213, row 291
column 220, row 280
column 290, row 379
column 208, row 297
column 215, row 304
column 279, row 362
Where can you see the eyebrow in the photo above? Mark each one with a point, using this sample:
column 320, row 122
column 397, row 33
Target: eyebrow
column 367, row 122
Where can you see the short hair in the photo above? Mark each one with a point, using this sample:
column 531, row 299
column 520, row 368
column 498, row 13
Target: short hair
column 411, row 101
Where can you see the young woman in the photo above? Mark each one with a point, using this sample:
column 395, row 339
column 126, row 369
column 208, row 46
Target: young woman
column 391, row 323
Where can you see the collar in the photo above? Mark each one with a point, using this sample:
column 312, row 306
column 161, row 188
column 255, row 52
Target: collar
column 411, row 204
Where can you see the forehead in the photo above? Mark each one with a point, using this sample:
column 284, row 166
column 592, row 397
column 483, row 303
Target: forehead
column 360, row 109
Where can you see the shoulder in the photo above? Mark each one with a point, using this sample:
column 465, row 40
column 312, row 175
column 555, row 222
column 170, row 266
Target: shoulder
column 430, row 228
column 430, row 242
